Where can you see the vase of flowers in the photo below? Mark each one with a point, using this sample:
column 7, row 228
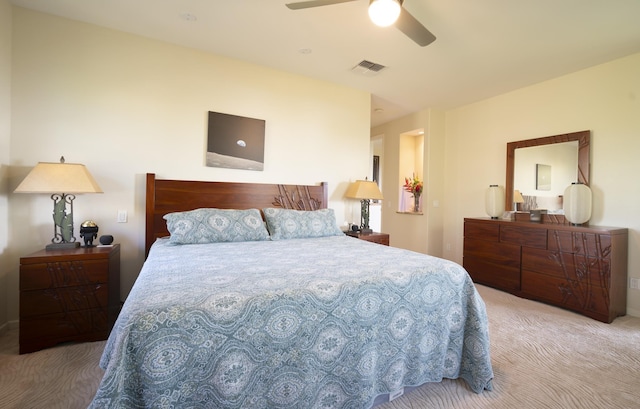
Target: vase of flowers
column 414, row 186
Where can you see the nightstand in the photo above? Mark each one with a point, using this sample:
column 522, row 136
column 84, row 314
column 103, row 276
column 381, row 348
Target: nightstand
column 380, row 238
column 68, row 295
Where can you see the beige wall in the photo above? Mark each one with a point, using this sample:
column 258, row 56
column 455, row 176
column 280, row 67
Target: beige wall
column 125, row 105
column 604, row 99
column 422, row 233
column 5, row 130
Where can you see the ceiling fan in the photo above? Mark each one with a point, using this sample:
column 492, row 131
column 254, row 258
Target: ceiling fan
column 383, row 13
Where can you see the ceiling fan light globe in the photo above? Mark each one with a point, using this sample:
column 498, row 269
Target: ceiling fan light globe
column 383, row 13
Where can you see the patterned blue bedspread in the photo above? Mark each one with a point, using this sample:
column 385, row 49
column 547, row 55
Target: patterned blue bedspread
column 327, row 322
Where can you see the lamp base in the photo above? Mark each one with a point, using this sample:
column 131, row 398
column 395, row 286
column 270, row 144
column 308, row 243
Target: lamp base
column 62, row 246
column 366, row 231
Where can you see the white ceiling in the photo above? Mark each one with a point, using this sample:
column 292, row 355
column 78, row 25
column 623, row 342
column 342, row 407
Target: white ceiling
column 483, row 47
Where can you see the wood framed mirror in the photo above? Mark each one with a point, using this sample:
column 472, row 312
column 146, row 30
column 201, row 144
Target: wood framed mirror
column 584, row 140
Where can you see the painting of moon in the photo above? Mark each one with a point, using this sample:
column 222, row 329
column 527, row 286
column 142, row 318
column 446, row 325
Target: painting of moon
column 235, row 142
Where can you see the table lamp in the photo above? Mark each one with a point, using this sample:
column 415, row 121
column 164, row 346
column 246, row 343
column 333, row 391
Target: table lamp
column 517, row 198
column 365, row 190
column 55, row 178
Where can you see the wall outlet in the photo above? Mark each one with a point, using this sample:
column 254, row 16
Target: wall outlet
column 634, row 283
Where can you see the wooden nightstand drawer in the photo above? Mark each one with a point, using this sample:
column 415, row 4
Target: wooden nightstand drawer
column 63, row 274
column 42, row 331
column 68, row 295
column 63, row 299
column 380, row 238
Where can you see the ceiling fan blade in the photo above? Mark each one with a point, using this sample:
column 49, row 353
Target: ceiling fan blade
column 314, row 3
column 413, row 29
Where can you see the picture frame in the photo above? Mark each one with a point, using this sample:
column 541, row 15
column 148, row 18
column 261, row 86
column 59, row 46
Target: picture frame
column 235, row 142
column 543, row 177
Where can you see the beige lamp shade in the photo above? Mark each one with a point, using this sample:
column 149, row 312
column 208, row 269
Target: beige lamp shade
column 48, row 177
column 364, row 189
column 517, row 197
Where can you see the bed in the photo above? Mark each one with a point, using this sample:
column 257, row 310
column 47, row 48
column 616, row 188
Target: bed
column 305, row 317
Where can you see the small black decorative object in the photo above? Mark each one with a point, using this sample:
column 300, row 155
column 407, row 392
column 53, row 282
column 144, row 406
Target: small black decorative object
column 88, row 231
column 106, row 239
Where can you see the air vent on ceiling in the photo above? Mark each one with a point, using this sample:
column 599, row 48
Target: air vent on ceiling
column 365, row 67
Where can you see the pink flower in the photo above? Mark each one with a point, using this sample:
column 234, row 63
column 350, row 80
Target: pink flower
column 414, row 186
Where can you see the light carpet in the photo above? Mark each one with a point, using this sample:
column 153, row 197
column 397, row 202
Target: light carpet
column 543, row 357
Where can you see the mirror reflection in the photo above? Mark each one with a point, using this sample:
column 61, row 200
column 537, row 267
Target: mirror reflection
column 542, row 173
column 546, row 166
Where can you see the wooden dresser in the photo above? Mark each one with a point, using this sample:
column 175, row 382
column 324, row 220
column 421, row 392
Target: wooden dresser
column 583, row 269
column 68, row 295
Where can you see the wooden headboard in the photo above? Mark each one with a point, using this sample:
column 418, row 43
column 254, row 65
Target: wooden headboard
column 166, row 196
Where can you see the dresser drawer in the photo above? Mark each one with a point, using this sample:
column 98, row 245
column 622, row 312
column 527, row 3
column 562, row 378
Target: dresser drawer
column 523, row 236
column 484, row 231
column 492, row 263
column 588, row 271
column 491, row 273
column 504, row 254
column 593, row 245
column 63, row 274
column 566, row 294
